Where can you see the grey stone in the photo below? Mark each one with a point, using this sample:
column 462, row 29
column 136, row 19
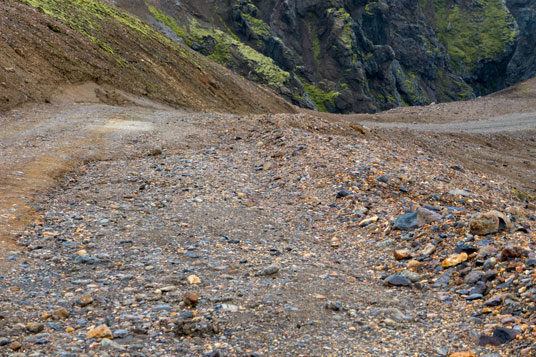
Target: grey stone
column 406, row 222
column 398, row 280
column 473, row 277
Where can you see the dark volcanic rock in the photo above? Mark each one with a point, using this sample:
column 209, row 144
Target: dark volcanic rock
column 398, row 280
column 500, row 336
column 406, row 222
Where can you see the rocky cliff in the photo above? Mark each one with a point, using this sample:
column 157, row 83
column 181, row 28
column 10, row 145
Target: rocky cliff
column 359, row 56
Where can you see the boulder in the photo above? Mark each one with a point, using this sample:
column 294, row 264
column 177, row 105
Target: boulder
column 489, row 222
column 406, row 222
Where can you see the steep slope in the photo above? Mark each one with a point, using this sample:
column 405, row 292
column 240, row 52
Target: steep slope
column 47, row 43
column 359, row 56
column 523, row 63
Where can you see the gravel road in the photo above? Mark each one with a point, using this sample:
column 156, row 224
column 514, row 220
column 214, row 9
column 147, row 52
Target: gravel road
column 508, row 123
column 151, row 231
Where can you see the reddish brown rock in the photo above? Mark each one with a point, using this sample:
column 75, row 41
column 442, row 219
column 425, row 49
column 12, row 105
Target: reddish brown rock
column 489, row 222
column 190, row 299
column 401, row 254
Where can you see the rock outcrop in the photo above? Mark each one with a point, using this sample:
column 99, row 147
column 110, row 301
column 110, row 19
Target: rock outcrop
column 360, row 56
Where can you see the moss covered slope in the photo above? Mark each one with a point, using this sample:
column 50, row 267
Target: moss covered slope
column 52, row 42
column 474, row 31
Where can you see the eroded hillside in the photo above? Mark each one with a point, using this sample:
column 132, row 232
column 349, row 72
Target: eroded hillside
column 49, row 43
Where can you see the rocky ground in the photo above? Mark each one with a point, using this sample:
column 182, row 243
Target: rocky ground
column 269, row 235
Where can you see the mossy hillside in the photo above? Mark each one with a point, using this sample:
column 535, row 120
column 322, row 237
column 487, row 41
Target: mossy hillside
column 224, row 48
column 368, row 7
column 88, row 16
column 170, row 22
column 451, row 88
column 473, row 31
column 320, row 97
column 312, row 34
column 245, row 6
column 410, row 90
column 264, row 68
column 259, row 28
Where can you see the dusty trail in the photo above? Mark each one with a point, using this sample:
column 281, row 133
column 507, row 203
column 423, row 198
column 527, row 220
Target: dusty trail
column 503, row 124
column 40, row 144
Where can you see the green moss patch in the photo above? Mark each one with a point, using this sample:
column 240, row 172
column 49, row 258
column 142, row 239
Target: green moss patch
column 320, row 97
column 345, row 22
column 473, row 32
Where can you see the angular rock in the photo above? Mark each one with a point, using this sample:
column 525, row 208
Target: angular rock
column 454, row 260
column 428, row 250
column 443, row 279
column 368, row 221
column 414, row 277
column 102, row 331
column 190, row 299
column 343, row 193
column 84, row 300
column 512, row 252
column 494, row 301
column 406, row 222
column 489, row 275
column 425, row 216
column 487, row 251
column 413, row 264
column 398, row 280
column 401, row 254
column 193, row 279
column 109, row 344
column 458, row 192
column 269, row 270
column 501, row 335
column 60, row 314
column 489, row 263
column 15, row 346
column 480, row 288
column 467, row 248
column 35, row 327
column 473, row 277
column 489, row 222
column 120, row 333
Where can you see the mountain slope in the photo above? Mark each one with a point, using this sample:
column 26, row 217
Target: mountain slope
column 50, row 43
column 359, row 56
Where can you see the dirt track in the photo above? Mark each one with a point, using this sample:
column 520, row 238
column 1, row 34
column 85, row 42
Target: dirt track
column 38, row 144
column 508, row 123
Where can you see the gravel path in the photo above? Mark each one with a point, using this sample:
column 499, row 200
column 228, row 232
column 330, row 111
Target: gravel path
column 509, row 123
column 208, row 234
